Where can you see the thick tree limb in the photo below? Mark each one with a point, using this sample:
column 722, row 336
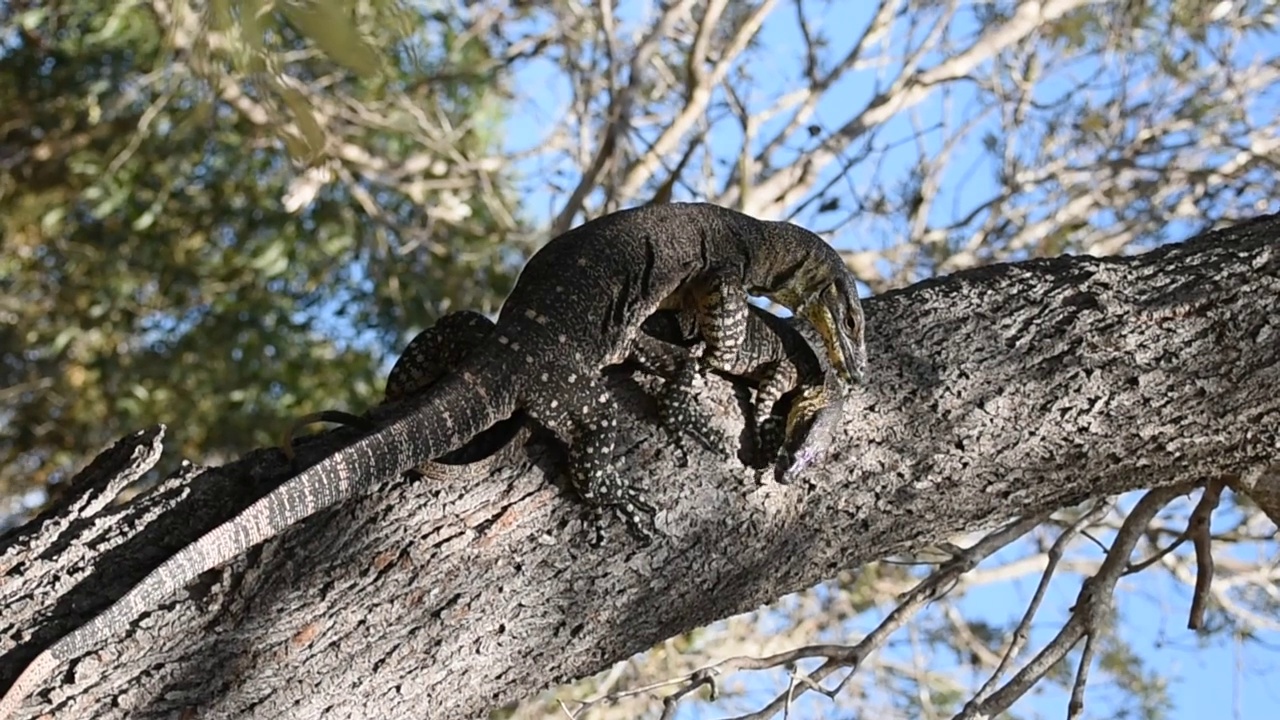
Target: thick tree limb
column 995, row 393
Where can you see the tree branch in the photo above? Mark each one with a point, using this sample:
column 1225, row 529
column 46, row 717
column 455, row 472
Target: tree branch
column 996, row 393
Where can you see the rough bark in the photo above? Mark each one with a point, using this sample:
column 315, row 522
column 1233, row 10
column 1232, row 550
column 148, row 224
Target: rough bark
column 993, row 393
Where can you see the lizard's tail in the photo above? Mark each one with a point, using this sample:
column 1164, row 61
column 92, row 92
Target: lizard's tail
column 37, row 671
column 452, row 412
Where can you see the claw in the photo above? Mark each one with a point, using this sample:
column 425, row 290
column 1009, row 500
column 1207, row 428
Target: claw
column 770, row 436
column 638, row 515
column 627, row 503
column 594, row 519
column 708, row 438
column 711, row 441
column 704, row 438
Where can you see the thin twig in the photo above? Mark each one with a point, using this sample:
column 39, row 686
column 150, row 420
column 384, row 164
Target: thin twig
column 1090, row 610
column 1023, row 631
column 1198, row 528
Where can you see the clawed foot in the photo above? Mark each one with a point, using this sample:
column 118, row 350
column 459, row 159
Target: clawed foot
column 709, row 438
column 767, row 444
column 685, row 436
column 638, row 515
column 633, row 510
column 684, row 418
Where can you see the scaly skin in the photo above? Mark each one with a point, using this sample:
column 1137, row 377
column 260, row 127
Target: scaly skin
column 426, row 359
column 575, row 309
column 774, row 357
column 797, row 401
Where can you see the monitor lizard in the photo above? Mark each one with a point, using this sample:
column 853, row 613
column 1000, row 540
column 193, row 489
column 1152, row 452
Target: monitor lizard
column 794, row 393
column 576, row 307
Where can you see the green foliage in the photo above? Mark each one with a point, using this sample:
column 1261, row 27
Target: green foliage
column 151, row 270
column 1140, row 691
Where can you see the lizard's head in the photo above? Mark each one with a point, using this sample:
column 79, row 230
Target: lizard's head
column 803, row 272
column 834, row 311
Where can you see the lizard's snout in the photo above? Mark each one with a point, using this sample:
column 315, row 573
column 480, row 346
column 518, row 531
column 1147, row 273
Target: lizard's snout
column 843, row 343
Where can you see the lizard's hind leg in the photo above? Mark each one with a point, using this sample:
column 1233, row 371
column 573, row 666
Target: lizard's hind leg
column 431, row 354
column 435, row 350
column 716, row 313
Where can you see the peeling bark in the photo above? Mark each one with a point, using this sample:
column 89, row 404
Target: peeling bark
column 994, row 393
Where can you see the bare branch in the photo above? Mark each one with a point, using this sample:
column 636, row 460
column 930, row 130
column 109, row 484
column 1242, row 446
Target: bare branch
column 697, row 92
column 784, row 186
column 1091, row 608
column 1022, row 632
column 620, row 109
column 1199, row 531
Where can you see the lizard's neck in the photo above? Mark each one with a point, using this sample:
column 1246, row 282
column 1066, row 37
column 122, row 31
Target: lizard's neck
column 788, row 262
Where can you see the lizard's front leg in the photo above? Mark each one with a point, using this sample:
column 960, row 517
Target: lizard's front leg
column 717, row 311
column 793, row 385
column 579, row 408
column 722, row 312
column 769, row 426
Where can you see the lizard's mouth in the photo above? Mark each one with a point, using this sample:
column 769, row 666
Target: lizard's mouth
column 839, row 346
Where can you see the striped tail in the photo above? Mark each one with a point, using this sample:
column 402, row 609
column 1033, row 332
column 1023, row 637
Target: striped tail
column 454, row 411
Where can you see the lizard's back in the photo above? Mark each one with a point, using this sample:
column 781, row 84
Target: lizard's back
column 601, row 279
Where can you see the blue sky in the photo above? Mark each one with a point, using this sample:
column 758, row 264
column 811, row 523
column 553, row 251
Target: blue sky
column 1209, row 678
column 540, row 111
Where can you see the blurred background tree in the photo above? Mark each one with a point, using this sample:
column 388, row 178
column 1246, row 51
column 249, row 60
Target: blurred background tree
column 221, row 219
column 223, row 215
